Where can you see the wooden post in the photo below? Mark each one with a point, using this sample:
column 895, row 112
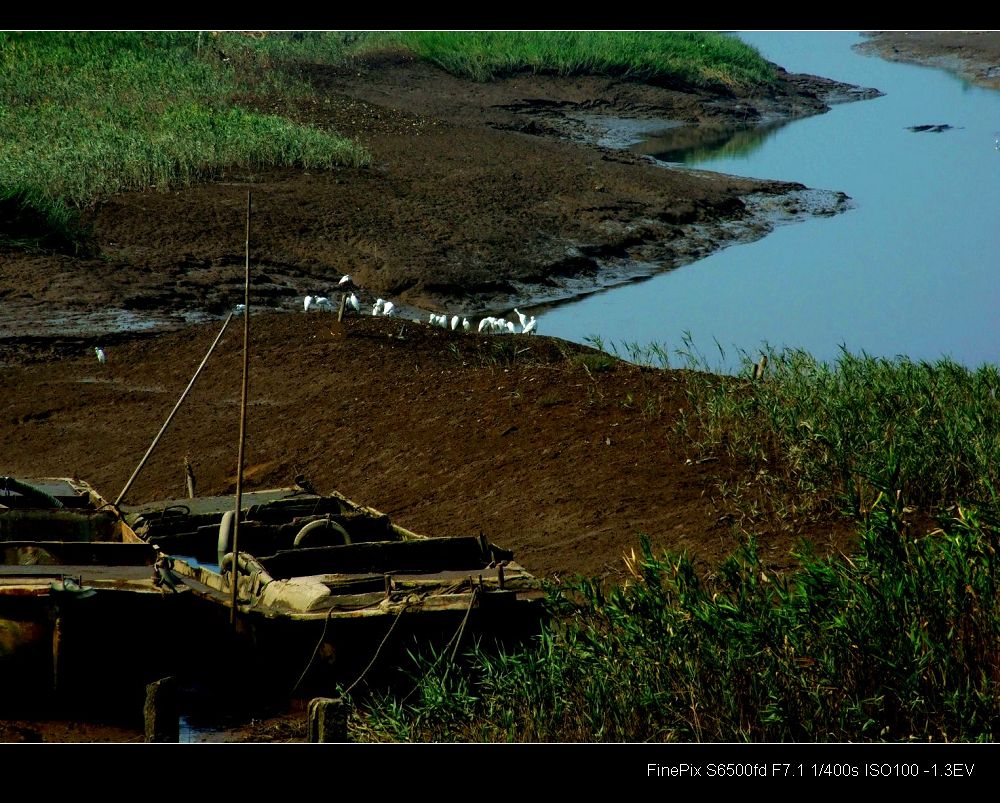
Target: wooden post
column 58, row 657
column 160, row 714
column 189, row 478
column 327, row 720
column 243, row 428
column 343, row 303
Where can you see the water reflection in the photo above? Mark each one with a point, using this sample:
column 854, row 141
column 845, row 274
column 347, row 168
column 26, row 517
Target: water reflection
column 696, row 143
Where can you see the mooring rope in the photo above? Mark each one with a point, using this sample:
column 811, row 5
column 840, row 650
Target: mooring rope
column 322, row 638
column 371, row 663
column 453, row 643
column 170, row 417
column 457, row 639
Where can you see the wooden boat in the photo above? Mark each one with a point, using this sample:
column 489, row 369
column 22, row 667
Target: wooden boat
column 329, row 589
column 82, row 621
column 321, row 592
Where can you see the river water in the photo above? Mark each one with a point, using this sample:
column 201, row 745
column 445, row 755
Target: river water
column 912, row 269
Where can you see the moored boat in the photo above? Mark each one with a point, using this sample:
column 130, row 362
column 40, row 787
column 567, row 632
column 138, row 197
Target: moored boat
column 326, row 586
column 83, row 618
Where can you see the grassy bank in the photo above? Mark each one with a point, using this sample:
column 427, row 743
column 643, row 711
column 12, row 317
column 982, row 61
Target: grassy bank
column 667, row 57
column 898, row 641
column 84, row 115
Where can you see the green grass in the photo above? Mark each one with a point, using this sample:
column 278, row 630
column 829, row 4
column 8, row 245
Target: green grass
column 667, row 57
column 85, row 115
column 898, row 643
column 929, row 432
column 844, row 430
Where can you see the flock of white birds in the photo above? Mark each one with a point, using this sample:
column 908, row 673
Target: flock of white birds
column 383, row 308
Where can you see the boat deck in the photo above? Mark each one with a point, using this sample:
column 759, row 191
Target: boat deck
column 90, row 574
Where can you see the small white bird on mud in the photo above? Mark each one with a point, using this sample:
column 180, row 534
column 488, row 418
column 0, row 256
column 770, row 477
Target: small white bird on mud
column 466, row 325
column 378, row 307
column 101, row 356
column 455, row 321
column 388, row 309
column 485, row 323
column 521, row 317
column 353, row 303
column 322, row 302
column 530, row 326
column 345, row 279
column 239, row 309
column 307, row 302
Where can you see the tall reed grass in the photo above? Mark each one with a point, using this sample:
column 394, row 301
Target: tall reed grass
column 899, row 642
column 929, row 431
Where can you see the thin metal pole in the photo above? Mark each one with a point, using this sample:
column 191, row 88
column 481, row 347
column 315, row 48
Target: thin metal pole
column 170, row 417
column 243, row 423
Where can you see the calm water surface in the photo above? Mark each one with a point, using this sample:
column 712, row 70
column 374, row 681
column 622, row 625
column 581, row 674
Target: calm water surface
column 911, row 270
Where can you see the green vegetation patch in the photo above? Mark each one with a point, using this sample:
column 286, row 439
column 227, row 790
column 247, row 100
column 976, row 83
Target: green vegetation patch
column 898, row 643
column 928, row 431
column 84, row 115
column 669, row 57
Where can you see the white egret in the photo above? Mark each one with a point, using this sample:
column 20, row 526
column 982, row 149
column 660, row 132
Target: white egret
column 322, row 302
column 521, row 317
column 345, row 279
column 378, row 307
column 239, row 309
column 432, row 318
column 466, row 325
column 101, row 356
column 455, row 321
column 353, row 303
column 530, row 326
column 389, row 309
column 485, row 323
column 307, row 303
column 511, row 329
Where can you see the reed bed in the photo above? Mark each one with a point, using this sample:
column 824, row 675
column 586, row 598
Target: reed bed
column 896, row 643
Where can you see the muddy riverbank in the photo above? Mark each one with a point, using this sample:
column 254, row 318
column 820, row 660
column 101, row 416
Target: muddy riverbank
column 479, row 197
column 975, row 55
